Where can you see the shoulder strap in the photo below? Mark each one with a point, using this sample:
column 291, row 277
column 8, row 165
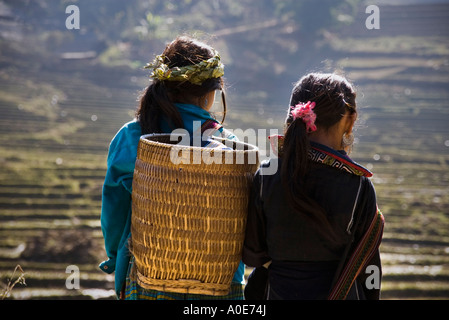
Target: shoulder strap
column 211, row 125
column 362, row 253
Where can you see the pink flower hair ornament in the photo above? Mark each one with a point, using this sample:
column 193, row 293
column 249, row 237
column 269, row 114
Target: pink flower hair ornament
column 305, row 112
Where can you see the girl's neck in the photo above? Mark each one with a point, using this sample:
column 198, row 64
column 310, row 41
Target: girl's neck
column 329, row 140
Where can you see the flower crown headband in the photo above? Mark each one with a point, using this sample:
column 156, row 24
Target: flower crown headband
column 196, row 73
column 304, row 111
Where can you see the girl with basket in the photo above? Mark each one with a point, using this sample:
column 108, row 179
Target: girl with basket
column 185, row 79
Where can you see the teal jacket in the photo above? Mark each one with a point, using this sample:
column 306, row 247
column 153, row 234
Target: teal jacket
column 117, row 189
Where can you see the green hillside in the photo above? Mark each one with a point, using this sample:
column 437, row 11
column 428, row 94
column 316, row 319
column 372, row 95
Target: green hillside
column 64, row 94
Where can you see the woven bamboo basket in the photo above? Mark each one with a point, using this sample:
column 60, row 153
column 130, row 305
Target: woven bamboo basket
column 189, row 214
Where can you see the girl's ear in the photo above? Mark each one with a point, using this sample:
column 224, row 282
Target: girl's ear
column 350, row 122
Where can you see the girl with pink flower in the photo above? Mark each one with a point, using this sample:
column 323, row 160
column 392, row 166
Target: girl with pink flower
column 314, row 227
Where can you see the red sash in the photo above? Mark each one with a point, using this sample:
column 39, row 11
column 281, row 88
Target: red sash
column 359, row 258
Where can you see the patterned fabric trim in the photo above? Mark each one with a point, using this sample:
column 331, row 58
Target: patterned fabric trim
column 359, row 258
column 328, row 157
column 135, row 292
column 338, row 162
column 212, row 127
column 211, row 124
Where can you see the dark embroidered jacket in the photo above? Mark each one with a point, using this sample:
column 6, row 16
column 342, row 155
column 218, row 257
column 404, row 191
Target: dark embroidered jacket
column 301, row 258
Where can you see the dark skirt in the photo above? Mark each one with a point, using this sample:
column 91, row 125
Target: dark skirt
column 300, row 280
column 305, row 281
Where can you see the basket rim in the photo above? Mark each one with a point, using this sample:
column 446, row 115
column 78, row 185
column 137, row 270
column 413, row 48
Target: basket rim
column 186, row 286
column 146, row 139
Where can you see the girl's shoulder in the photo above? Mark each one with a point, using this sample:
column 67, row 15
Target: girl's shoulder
column 131, row 128
column 126, row 139
column 130, row 131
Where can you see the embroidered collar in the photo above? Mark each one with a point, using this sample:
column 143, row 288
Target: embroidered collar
column 322, row 154
column 337, row 159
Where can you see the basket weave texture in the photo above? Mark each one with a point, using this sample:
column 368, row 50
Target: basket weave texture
column 188, row 218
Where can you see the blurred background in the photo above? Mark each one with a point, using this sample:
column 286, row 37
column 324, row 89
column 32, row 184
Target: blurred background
column 64, row 93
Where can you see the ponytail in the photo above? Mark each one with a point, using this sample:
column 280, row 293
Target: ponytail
column 332, row 96
column 295, row 152
column 294, row 172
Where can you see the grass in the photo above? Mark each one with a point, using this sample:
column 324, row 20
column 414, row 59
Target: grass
column 13, row 281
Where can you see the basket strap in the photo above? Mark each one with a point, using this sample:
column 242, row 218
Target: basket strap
column 211, row 125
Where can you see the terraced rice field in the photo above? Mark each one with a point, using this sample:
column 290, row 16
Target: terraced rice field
column 55, row 130
column 402, row 72
column 53, row 166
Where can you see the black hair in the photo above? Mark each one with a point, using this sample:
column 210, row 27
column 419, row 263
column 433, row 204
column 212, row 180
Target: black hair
column 333, row 96
column 159, row 97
